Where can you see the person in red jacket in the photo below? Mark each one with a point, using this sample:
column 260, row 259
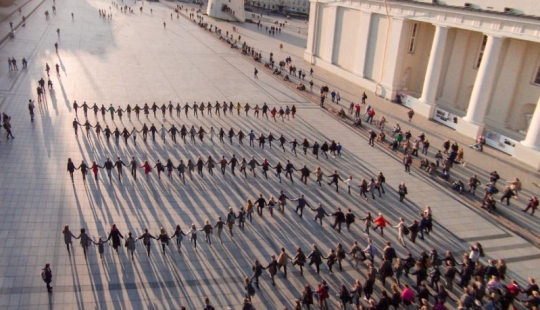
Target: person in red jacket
column 147, row 168
column 381, row 222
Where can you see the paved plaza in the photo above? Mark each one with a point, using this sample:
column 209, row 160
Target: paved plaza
column 133, row 59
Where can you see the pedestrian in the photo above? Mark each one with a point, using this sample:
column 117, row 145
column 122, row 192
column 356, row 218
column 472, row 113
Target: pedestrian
column 46, row 276
column 335, row 179
column 255, row 72
column 130, row 244
column 163, row 239
column 402, row 190
column 410, row 114
column 178, row 233
column 85, row 241
column 193, row 235
column 115, row 235
column 380, row 222
column 302, row 203
column 207, row 229
column 257, row 269
column 339, row 219
column 320, row 213
column 31, row 109
column 533, row 205
column 56, row 47
column 68, row 237
column 315, row 257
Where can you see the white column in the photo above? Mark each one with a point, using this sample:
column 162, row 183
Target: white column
column 484, row 83
column 329, row 48
column 312, row 29
column 394, row 51
column 433, row 72
column 532, row 140
column 363, row 34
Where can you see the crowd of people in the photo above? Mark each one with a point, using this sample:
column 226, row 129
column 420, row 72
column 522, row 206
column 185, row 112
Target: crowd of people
column 435, row 275
column 479, row 286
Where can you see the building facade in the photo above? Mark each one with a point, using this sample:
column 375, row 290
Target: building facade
column 231, row 10
column 472, row 67
column 296, row 6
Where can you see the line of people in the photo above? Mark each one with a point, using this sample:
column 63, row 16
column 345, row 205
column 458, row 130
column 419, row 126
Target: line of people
column 373, row 186
column 334, row 147
column 200, row 108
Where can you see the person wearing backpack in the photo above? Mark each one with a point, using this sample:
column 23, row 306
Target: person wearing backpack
column 46, row 275
column 250, row 290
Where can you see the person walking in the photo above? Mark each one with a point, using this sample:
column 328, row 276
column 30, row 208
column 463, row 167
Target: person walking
column 179, row 234
column 335, row 179
column 315, row 257
column 85, row 241
column 193, row 235
column 163, row 239
column 46, row 276
column 68, row 238
column 320, row 213
column 207, row 229
column 533, row 205
column 339, row 219
column 130, row 244
column 299, row 259
column 302, row 203
column 257, row 269
column 402, row 230
column 402, row 190
column 219, row 225
column 146, row 236
column 71, row 168
column 115, row 235
column 380, row 222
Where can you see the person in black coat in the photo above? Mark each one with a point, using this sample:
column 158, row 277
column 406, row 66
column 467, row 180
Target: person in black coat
column 340, row 218
column 115, row 235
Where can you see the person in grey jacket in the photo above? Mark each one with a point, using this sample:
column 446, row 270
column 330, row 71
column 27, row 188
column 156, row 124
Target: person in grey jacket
column 130, row 244
column 68, row 237
column 85, row 241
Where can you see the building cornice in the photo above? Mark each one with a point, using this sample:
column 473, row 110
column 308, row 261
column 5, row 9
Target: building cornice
column 498, row 24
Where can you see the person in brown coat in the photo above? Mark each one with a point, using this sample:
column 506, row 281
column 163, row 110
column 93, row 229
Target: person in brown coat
column 283, row 260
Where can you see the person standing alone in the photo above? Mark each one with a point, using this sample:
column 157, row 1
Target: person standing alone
column 46, row 275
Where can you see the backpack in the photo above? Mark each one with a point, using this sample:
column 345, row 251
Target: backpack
column 406, row 230
column 43, row 275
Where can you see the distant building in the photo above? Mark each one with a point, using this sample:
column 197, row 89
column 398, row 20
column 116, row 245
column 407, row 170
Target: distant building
column 474, row 67
column 292, row 6
column 231, row 10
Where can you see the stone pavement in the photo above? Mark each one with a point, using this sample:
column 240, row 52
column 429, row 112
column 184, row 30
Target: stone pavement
column 133, row 59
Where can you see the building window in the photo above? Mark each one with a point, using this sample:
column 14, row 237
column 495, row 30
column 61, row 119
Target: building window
column 481, row 53
column 412, row 40
column 537, row 77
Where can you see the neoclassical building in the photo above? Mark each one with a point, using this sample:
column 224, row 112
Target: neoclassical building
column 474, row 67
